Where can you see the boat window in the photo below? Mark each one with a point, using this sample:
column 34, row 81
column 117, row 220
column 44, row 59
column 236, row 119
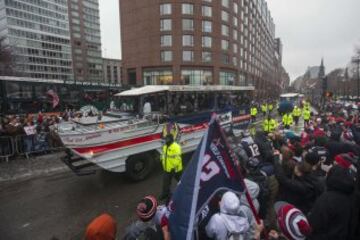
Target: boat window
column 157, row 102
column 128, row 104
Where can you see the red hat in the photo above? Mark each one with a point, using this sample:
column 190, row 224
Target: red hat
column 343, row 161
column 348, row 124
column 102, row 227
column 292, row 221
column 146, row 208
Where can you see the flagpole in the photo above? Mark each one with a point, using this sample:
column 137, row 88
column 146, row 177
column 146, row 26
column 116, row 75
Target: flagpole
column 238, row 169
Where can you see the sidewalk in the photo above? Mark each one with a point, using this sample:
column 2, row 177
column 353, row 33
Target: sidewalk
column 19, row 169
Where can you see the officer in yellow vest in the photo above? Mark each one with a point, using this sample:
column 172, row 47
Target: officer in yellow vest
column 269, row 124
column 270, row 107
column 171, row 163
column 296, row 114
column 306, row 116
column 264, row 108
column 287, row 120
column 253, row 113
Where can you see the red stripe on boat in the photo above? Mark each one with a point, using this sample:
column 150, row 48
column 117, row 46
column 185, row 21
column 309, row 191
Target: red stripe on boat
column 120, row 144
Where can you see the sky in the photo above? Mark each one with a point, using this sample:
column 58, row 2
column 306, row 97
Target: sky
column 309, row 29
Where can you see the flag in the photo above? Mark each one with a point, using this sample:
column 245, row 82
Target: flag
column 54, row 96
column 213, row 167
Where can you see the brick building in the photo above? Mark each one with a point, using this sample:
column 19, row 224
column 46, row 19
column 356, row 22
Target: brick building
column 228, row 42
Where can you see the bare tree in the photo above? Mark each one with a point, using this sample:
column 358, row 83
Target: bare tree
column 6, row 58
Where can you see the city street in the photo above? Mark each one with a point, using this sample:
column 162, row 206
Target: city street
column 62, row 205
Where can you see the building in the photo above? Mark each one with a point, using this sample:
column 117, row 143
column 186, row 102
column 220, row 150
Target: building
column 198, row 42
column 112, row 70
column 85, row 40
column 38, row 34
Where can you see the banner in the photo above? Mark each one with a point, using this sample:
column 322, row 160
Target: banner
column 54, row 96
column 213, row 167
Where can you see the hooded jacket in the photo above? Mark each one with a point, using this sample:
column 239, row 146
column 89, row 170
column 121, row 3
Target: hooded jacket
column 228, row 221
column 331, row 215
column 245, row 209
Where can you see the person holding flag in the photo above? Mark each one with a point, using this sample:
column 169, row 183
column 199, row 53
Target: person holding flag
column 213, row 168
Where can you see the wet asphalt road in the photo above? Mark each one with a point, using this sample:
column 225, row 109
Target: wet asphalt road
column 62, row 205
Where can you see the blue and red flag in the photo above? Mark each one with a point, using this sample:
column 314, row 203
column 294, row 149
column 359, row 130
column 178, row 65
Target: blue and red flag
column 213, row 168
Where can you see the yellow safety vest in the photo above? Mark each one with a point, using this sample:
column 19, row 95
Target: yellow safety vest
column 264, row 107
column 287, row 119
column 271, row 107
column 297, row 112
column 307, row 114
column 269, row 125
column 171, row 158
column 253, row 111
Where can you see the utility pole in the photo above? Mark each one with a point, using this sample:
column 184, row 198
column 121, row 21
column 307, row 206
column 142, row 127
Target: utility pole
column 356, row 60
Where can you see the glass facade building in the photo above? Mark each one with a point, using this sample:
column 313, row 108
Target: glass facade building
column 38, row 33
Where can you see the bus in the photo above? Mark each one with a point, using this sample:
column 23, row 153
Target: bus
column 21, row 95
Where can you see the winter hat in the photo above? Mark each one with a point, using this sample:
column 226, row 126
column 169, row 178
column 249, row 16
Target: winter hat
column 312, row 157
column 229, row 203
column 342, row 161
column 292, row 221
column 146, row 208
column 101, row 228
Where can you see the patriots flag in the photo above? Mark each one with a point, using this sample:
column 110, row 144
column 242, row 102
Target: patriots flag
column 213, row 167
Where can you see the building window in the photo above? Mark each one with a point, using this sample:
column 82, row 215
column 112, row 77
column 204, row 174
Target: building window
column 235, row 21
column 154, row 77
column 207, row 26
column 235, row 34
column 115, row 72
column 166, row 56
column 224, row 45
column 209, row 1
column 165, row 9
column 225, row 30
column 225, row 59
column 187, row 8
column 188, row 56
column 225, row 3
column 188, row 25
column 224, row 16
column 234, row 61
column 235, row 48
column 206, row 42
column 108, row 73
column 206, row 11
column 236, row 8
column 227, row 78
column 166, row 41
column 206, row 57
column 165, row 25
column 196, row 77
column 188, row 40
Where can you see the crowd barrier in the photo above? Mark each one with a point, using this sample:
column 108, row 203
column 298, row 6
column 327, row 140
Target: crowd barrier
column 7, row 148
column 27, row 145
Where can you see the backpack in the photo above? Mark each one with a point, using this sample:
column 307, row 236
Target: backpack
column 265, row 192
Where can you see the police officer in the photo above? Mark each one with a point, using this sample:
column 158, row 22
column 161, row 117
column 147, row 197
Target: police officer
column 287, row 120
column 269, row 124
column 171, row 163
column 264, row 109
column 296, row 114
column 306, row 115
column 253, row 113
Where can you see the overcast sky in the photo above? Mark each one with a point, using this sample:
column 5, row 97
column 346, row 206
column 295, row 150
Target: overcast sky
column 309, row 29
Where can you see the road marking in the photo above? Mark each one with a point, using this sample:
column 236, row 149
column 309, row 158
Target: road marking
column 25, row 225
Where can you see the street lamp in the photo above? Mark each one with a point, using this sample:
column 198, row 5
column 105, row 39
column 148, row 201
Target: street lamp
column 356, row 60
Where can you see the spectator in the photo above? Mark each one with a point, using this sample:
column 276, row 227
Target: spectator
column 228, row 222
column 102, row 227
column 330, row 217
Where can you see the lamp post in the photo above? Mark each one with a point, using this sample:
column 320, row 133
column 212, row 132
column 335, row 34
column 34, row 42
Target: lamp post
column 356, row 60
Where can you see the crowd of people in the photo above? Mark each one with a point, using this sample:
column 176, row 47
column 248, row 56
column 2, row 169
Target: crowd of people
column 302, row 186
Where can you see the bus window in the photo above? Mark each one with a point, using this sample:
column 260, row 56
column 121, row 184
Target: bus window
column 205, row 101
column 157, row 102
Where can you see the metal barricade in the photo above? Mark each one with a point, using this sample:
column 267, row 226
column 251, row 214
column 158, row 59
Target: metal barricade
column 7, row 147
column 40, row 143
